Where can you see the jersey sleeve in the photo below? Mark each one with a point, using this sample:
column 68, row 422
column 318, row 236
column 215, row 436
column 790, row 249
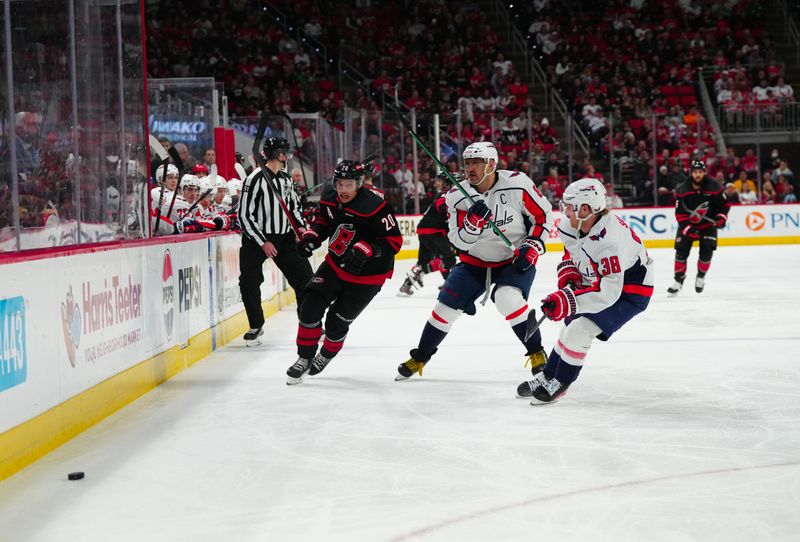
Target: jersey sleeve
column 457, row 206
column 293, row 203
column 539, row 211
column 250, row 204
column 386, row 231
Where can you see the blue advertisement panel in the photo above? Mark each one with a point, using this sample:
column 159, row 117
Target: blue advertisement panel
column 13, row 348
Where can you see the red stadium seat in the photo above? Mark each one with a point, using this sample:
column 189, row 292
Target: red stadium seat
column 688, row 100
column 673, row 100
column 668, row 90
column 685, row 90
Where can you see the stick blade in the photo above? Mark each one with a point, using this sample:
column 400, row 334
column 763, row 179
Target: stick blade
column 532, row 324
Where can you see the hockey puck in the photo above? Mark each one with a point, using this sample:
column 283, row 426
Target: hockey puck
column 75, row 476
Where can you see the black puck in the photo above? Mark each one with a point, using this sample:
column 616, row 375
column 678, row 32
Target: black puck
column 75, row 476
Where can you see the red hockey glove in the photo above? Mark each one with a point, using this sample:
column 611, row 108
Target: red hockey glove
column 222, row 222
column 309, row 242
column 559, row 305
column 527, row 254
column 358, row 254
column 188, row 225
column 477, row 217
column 569, row 275
column 721, row 220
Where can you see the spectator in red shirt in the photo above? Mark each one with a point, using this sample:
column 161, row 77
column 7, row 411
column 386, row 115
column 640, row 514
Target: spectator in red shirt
column 750, row 162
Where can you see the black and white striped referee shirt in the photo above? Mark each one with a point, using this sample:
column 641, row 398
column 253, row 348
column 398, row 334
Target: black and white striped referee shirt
column 260, row 214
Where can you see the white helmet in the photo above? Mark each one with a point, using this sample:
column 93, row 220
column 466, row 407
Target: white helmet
column 481, row 149
column 171, row 170
column 207, row 185
column 190, row 181
column 585, row 191
column 112, row 197
column 222, row 184
column 234, row 186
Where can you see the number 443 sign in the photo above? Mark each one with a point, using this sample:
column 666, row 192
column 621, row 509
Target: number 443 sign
column 13, row 348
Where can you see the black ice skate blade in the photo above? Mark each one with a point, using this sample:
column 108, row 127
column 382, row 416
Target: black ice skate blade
column 532, row 324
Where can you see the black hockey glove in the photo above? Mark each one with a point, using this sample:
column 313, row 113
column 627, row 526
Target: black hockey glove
column 309, row 242
column 359, row 254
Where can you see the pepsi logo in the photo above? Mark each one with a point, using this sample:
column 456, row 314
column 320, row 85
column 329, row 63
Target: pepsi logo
column 168, row 294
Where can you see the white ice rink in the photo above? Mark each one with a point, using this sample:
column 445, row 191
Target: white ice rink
column 685, row 426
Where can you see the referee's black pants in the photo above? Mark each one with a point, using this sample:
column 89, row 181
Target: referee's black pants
column 294, row 267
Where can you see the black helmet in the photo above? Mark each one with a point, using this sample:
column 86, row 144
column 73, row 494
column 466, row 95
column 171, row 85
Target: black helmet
column 350, row 169
column 697, row 164
column 273, row 146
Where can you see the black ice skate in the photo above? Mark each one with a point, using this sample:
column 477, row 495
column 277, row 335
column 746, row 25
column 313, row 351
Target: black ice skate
column 297, row 371
column 550, row 391
column 699, row 284
column 414, row 365
column 415, row 277
column 252, row 336
column 525, row 390
column 319, row 364
column 406, row 289
column 673, row 290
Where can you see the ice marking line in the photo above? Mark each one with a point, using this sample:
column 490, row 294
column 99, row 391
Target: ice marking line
column 606, row 487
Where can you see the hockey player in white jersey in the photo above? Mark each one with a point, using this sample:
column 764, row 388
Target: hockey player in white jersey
column 604, row 280
column 488, row 265
column 167, row 208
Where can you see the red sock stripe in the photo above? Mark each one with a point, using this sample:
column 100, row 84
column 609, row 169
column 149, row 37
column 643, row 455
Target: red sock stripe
column 438, row 318
column 307, row 342
column 703, row 266
column 680, row 267
column 332, row 346
column 309, row 332
column 571, row 353
column 517, row 312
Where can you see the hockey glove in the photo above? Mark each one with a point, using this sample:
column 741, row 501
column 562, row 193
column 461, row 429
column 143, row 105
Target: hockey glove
column 355, row 258
column 721, row 220
column 569, row 275
column 477, row 217
column 309, row 242
column 222, row 222
column 527, row 254
column 188, row 225
column 559, row 305
column 689, row 231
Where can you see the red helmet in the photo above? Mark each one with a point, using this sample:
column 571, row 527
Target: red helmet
column 199, row 168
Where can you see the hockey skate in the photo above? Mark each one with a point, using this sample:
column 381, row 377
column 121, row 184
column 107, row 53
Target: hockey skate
column 297, row 371
column 406, row 289
column 550, row 391
column 673, row 290
column 253, row 336
column 699, row 284
column 318, row 364
column 525, row 390
column 415, row 277
column 537, row 361
column 414, row 365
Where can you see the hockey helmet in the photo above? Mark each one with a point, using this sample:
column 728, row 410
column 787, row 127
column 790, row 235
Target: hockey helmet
column 697, row 164
column 221, row 184
column 586, row 191
column 350, row 169
column 274, row 146
column 234, row 186
column 190, row 181
column 484, row 150
column 171, row 170
column 200, row 169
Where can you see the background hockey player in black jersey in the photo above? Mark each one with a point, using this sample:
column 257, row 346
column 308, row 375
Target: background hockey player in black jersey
column 701, row 209
column 267, row 233
column 435, row 251
column 363, row 238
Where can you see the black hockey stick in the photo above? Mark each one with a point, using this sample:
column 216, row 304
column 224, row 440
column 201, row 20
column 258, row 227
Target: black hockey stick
column 697, row 213
column 533, row 324
column 262, row 128
column 296, row 147
column 441, row 166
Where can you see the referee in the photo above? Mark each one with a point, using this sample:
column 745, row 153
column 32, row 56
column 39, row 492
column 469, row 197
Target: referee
column 266, row 233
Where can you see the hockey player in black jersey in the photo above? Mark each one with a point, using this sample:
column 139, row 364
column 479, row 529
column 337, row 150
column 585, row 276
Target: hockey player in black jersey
column 435, row 251
column 363, row 238
column 701, row 209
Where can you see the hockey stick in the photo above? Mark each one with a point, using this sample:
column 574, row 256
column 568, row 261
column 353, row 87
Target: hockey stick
column 262, row 127
column 296, row 147
column 441, row 166
column 696, row 213
column 533, row 324
column 165, row 164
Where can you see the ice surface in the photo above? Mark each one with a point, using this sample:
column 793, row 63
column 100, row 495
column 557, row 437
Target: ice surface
column 685, row 426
